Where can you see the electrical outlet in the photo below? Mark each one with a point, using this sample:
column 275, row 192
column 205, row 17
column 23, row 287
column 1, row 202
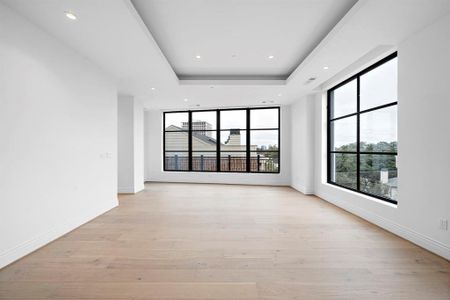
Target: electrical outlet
column 443, row 224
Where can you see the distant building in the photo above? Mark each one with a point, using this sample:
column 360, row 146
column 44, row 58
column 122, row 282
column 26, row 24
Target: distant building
column 233, row 154
column 393, row 187
column 391, row 183
column 234, row 139
column 176, row 139
column 201, row 127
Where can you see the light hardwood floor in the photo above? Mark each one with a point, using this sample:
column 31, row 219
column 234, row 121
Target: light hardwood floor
column 197, row 241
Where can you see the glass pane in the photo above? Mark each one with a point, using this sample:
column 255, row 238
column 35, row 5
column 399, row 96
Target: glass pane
column 343, row 169
column 264, row 140
column 264, row 118
column 233, row 140
column 233, row 119
column 378, row 130
column 378, row 175
column 204, row 141
column 343, row 134
column 204, row 161
column 204, row 120
column 264, row 161
column 379, row 86
column 176, row 161
column 343, row 100
column 176, row 141
column 176, row 121
column 233, row 161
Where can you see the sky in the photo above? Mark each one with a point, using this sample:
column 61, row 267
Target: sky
column 236, row 119
column 377, row 87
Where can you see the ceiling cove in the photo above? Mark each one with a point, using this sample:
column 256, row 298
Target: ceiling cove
column 239, row 41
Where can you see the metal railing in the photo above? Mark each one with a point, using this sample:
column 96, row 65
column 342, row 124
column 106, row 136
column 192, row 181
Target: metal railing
column 231, row 163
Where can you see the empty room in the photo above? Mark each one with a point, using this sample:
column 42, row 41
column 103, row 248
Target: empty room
column 224, row 149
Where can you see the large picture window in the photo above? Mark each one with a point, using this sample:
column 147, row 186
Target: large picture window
column 362, row 131
column 223, row 140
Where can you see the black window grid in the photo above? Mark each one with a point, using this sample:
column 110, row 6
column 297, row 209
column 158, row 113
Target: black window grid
column 218, row 150
column 358, row 113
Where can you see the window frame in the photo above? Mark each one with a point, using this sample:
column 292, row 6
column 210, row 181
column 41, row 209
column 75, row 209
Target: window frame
column 358, row 113
column 218, row 131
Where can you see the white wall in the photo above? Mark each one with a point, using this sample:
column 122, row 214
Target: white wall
column 424, row 145
column 58, row 119
column 302, row 144
column 138, row 116
column 154, row 164
column 130, row 139
column 125, row 144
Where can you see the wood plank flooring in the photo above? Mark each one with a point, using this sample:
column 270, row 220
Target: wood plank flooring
column 198, row 241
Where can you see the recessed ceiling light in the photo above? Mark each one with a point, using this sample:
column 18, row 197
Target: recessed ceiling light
column 280, row 94
column 263, row 101
column 271, row 57
column 70, row 15
column 325, row 68
column 198, row 57
column 186, row 99
column 153, row 88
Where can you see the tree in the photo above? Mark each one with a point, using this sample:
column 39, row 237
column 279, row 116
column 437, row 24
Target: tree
column 370, row 166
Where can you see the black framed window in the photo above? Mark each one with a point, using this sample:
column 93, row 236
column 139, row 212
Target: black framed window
column 362, row 131
column 223, row 140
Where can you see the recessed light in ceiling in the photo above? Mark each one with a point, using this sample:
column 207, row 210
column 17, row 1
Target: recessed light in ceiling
column 186, row 99
column 325, row 68
column 264, row 101
column 280, row 94
column 70, row 15
column 198, row 57
column 153, row 88
column 271, row 57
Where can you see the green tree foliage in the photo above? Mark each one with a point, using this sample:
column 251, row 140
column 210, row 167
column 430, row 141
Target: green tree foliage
column 272, row 155
column 370, row 167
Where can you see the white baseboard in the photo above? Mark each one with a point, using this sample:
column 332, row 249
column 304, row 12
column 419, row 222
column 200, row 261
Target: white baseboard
column 406, row 233
column 126, row 190
column 131, row 189
column 19, row 251
column 303, row 189
column 139, row 187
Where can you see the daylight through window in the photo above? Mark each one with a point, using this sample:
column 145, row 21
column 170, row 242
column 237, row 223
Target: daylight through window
column 223, row 140
column 362, row 131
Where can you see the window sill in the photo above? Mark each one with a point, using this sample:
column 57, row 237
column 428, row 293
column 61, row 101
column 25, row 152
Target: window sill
column 364, row 196
column 220, row 173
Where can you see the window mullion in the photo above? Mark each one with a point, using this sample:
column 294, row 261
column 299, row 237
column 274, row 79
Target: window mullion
column 358, row 158
column 218, row 154
column 190, row 141
column 248, row 140
column 329, row 135
column 185, row 160
column 164, row 141
column 367, row 180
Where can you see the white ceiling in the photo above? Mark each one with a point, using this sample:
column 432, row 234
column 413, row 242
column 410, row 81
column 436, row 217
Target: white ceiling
column 236, row 37
column 113, row 36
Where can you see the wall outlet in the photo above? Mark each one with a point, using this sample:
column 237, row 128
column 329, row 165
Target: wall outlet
column 443, row 224
column 106, row 155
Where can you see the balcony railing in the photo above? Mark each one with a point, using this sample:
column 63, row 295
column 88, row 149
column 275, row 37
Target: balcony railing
column 258, row 163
